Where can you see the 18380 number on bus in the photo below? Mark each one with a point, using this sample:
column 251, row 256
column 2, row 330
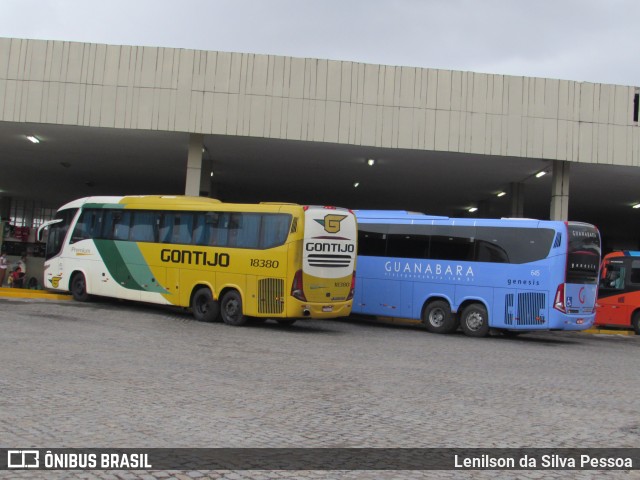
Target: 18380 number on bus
column 262, row 263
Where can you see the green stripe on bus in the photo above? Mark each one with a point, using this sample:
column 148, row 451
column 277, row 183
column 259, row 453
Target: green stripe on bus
column 127, row 265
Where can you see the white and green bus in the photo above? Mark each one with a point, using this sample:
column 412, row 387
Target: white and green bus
column 234, row 261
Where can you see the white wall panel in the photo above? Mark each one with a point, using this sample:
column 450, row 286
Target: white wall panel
column 443, row 96
column 332, row 121
column 430, row 130
column 405, row 128
column 318, row 100
column 334, row 80
column 442, row 130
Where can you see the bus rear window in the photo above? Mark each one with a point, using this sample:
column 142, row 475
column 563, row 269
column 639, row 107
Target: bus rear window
column 583, row 256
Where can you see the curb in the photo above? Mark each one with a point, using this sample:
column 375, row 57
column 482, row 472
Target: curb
column 605, row 331
column 26, row 293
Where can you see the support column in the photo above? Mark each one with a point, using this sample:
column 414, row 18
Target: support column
column 517, row 199
column 5, row 208
column 194, row 165
column 560, row 191
column 206, row 180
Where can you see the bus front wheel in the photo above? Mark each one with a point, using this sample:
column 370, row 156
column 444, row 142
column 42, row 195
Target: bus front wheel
column 203, row 306
column 437, row 317
column 635, row 323
column 79, row 287
column 475, row 321
column 231, row 309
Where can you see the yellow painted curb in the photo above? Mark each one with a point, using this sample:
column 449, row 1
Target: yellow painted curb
column 26, row 293
column 606, row 331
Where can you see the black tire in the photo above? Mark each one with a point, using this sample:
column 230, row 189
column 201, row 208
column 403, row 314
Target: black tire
column 475, row 321
column 78, row 288
column 203, row 306
column 231, row 309
column 635, row 323
column 437, row 317
column 286, row 322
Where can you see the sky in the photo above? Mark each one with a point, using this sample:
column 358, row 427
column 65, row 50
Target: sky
column 583, row 40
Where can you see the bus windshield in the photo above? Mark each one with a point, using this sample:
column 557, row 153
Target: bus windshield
column 58, row 232
column 583, row 255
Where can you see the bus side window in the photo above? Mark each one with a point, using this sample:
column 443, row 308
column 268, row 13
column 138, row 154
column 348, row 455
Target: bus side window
column 220, row 234
column 407, row 246
column 487, row 251
column 275, row 229
column 166, row 228
column 635, row 272
column 372, row 241
column 182, row 227
column 614, row 277
column 249, row 230
column 200, row 236
column 122, row 225
column 88, row 226
column 144, row 227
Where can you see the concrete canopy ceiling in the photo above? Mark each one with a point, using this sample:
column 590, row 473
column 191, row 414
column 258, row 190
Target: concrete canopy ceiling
column 72, row 162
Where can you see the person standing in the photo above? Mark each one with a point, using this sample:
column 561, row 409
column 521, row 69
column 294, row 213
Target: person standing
column 22, row 263
column 3, row 267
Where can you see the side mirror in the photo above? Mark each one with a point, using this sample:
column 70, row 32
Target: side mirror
column 45, row 225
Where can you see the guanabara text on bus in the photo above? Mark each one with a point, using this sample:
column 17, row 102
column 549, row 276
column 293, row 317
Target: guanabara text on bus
column 236, row 261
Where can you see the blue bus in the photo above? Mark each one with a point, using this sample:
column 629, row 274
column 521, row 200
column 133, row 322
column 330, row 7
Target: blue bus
column 508, row 275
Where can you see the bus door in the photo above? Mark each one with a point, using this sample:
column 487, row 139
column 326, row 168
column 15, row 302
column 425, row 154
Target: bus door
column 613, row 307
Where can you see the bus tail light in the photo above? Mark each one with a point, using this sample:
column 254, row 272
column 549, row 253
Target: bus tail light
column 297, row 288
column 353, row 286
column 558, row 303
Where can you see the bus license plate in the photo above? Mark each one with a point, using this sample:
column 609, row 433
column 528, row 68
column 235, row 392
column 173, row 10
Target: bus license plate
column 328, row 308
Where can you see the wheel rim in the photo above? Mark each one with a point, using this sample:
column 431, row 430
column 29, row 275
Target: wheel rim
column 231, row 308
column 78, row 285
column 475, row 321
column 436, row 317
column 202, row 305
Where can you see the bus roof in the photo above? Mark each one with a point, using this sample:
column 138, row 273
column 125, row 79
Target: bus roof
column 407, row 217
column 184, row 202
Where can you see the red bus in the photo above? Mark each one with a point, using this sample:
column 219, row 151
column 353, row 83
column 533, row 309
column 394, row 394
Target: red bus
column 618, row 302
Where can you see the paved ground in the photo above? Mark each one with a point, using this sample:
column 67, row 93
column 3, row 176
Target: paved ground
column 114, row 374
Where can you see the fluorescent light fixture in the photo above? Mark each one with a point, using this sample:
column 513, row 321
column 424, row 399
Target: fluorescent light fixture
column 356, row 184
column 33, row 139
column 473, row 209
column 541, row 174
column 371, row 162
column 502, row 194
column 637, row 205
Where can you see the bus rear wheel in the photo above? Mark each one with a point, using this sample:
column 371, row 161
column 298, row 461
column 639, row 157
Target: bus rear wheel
column 231, row 309
column 437, row 317
column 79, row 287
column 475, row 321
column 203, row 306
